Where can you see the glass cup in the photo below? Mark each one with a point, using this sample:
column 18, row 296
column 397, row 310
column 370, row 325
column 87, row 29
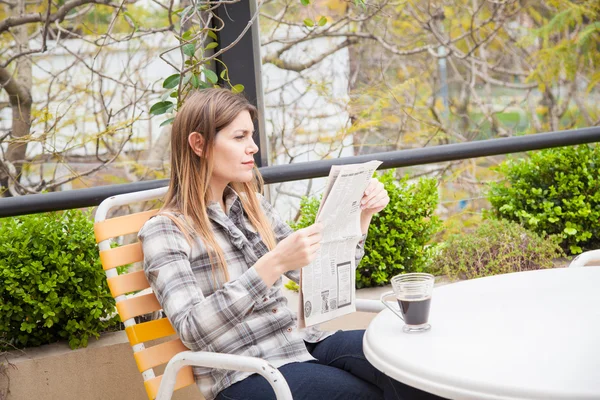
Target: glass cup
column 413, row 293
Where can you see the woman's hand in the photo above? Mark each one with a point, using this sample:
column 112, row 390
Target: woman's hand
column 374, row 200
column 293, row 252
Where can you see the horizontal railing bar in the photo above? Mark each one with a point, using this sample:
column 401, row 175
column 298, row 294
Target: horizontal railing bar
column 436, row 154
column 79, row 198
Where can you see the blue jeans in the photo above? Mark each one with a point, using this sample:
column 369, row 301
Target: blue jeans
column 340, row 372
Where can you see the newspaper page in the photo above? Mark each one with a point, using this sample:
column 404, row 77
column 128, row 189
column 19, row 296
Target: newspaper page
column 327, row 285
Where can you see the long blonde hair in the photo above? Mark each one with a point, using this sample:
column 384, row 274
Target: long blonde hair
column 207, row 112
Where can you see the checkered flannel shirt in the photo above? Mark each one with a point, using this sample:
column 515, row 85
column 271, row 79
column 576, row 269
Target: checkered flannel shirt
column 242, row 317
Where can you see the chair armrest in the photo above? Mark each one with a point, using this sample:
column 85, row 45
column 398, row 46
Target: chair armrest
column 372, row 306
column 585, row 257
column 222, row 361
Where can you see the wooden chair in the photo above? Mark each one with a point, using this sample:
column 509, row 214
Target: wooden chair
column 178, row 372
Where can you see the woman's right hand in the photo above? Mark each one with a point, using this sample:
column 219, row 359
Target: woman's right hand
column 293, row 252
column 298, row 249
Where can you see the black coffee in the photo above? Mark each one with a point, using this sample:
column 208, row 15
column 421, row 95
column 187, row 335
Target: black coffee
column 415, row 312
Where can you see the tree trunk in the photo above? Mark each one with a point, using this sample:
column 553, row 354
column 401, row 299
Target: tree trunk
column 18, row 87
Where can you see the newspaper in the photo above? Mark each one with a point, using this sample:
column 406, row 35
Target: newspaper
column 327, row 285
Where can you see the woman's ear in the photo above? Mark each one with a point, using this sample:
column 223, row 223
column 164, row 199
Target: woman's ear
column 196, row 142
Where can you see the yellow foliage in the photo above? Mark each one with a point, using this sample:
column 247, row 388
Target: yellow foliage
column 336, row 8
column 41, row 116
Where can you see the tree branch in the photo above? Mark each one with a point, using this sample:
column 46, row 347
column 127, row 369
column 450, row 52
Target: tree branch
column 60, row 14
column 16, row 93
column 299, row 66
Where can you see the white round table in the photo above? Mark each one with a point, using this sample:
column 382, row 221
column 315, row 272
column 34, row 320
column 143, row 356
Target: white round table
column 526, row 335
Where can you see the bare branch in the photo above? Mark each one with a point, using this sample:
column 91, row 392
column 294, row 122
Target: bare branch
column 299, row 66
column 59, row 15
column 16, row 92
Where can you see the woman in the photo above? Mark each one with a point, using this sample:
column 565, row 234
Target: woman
column 215, row 254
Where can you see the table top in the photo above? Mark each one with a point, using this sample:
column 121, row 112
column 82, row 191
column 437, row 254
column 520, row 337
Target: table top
column 526, row 335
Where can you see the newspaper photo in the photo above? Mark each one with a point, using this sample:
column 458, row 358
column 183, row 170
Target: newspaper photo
column 327, row 285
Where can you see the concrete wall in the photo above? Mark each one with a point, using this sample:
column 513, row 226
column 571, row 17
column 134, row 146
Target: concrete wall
column 104, row 370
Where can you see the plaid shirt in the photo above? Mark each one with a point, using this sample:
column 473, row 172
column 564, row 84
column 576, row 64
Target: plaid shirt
column 242, row 317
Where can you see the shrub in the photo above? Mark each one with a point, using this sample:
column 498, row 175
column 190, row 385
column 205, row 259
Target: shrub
column 495, row 247
column 553, row 192
column 52, row 285
column 398, row 235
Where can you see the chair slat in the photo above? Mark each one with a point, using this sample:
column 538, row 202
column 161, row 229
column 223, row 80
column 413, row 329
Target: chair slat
column 127, row 283
column 151, row 330
column 185, row 377
column 158, row 355
column 121, row 255
column 138, row 305
column 124, row 225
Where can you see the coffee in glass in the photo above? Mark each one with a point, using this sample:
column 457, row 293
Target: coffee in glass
column 415, row 312
column 413, row 293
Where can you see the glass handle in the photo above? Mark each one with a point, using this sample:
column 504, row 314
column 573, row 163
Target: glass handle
column 387, row 304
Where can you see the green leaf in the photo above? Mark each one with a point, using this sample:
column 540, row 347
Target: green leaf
column 211, row 76
column 185, row 11
column 195, row 81
column 187, row 35
column 305, row 2
column 189, row 49
column 293, row 286
column 211, row 45
column 167, row 121
column 223, row 74
column 322, row 21
column 575, row 249
column 165, row 96
column 309, row 22
column 570, row 231
column 136, row 24
column 239, row 88
column 172, row 81
column 161, row 107
column 212, row 35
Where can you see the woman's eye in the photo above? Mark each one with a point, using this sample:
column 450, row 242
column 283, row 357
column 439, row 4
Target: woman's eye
column 239, row 137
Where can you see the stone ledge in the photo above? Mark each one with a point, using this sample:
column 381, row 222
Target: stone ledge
column 103, row 370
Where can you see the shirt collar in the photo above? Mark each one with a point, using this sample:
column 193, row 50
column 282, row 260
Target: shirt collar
column 232, row 203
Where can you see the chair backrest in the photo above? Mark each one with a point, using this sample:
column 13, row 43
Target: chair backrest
column 143, row 301
column 585, row 258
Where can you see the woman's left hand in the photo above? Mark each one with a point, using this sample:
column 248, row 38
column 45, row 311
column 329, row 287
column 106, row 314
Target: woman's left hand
column 374, row 199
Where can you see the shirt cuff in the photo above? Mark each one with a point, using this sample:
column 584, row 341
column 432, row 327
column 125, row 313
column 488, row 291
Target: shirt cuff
column 254, row 284
column 361, row 242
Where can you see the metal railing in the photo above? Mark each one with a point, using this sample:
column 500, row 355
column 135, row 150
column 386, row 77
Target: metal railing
column 290, row 172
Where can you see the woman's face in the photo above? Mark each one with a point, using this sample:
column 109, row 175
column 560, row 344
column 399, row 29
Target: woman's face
column 232, row 154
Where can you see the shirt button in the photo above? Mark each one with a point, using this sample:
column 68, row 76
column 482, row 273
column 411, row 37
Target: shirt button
column 265, row 299
column 274, row 310
column 289, row 329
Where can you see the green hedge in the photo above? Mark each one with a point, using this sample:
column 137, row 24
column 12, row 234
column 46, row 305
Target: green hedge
column 398, row 235
column 52, row 286
column 553, row 192
column 495, row 247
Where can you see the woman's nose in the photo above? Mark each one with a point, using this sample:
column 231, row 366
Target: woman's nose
column 252, row 148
